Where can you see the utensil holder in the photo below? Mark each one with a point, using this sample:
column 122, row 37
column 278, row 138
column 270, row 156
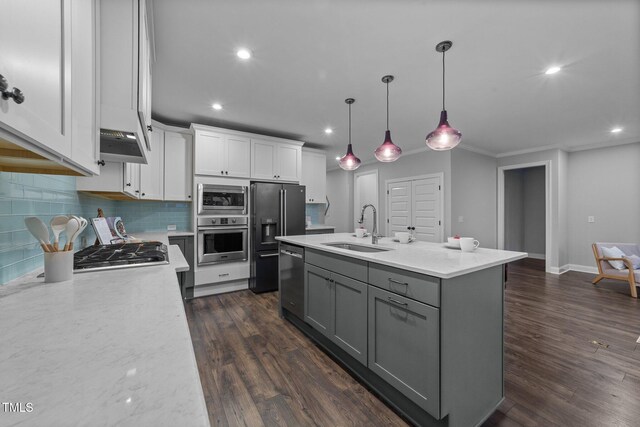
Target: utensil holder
column 58, row 266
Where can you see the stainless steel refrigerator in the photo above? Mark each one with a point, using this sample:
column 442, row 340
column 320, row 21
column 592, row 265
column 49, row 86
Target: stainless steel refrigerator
column 276, row 210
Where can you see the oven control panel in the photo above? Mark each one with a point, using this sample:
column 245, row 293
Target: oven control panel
column 222, row 221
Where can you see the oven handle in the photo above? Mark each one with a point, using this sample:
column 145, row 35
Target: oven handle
column 222, row 228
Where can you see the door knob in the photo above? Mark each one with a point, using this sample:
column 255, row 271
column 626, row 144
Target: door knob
column 149, row 128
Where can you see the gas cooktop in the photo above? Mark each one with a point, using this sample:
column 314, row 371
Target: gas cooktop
column 120, row 255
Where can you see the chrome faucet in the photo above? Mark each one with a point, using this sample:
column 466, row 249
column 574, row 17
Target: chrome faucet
column 374, row 232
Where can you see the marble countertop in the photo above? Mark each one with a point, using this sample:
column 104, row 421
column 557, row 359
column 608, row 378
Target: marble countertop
column 106, row 348
column 433, row 259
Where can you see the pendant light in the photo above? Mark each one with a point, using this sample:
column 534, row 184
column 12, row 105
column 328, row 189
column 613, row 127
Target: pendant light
column 388, row 151
column 349, row 161
column 444, row 137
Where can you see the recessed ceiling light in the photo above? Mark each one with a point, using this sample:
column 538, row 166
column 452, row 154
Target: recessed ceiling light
column 328, row 131
column 243, row 53
column 217, row 106
column 552, row 70
column 616, row 130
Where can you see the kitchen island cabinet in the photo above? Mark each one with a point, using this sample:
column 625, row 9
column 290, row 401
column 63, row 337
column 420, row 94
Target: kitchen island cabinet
column 430, row 341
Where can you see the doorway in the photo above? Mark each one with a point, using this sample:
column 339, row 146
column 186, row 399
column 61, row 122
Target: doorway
column 524, row 209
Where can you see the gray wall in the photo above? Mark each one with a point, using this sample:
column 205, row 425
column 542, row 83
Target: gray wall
column 533, row 209
column 412, row 164
column 513, row 215
column 603, row 183
column 473, row 196
column 340, row 194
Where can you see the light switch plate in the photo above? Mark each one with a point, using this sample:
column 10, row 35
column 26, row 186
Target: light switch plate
column 171, row 227
column 591, row 219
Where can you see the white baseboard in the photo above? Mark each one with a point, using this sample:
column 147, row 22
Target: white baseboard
column 583, row 268
column 537, row 256
column 558, row 270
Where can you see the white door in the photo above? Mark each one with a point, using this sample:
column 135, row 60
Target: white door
column 177, row 166
column 399, row 207
column 425, row 207
column 238, row 156
column 289, row 159
column 35, row 48
column 209, row 154
column 263, row 159
column 366, row 192
column 152, row 174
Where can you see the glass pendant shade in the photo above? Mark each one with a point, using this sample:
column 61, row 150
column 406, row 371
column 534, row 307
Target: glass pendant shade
column 444, row 137
column 349, row 161
column 388, row 151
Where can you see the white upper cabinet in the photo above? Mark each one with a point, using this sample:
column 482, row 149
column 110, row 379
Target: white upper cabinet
column 132, row 180
column 221, row 154
column 152, row 174
column 125, row 71
column 48, row 62
column 273, row 160
column 178, row 170
column 263, row 159
column 314, row 175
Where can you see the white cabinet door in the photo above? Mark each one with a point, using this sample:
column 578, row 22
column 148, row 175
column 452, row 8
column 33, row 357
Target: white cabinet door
column 289, row 162
column 263, row 159
column 132, row 179
column 152, row 174
column 238, row 156
column 35, row 58
column 178, row 180
column 110, row 179
column 144, row 75
column 210, row 150
column 85, row 141
column 426, row 222
column 314, row 176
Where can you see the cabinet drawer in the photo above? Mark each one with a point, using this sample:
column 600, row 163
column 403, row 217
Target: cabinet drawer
column 350, row 267
column 416, row 286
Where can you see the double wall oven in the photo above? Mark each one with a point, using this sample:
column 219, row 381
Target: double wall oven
column 222, row 238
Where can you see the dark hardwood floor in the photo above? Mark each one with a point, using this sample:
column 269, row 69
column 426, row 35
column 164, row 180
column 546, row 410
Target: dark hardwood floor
column 571, row 359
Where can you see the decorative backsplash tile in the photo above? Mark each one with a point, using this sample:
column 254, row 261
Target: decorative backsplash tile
column 45, row 196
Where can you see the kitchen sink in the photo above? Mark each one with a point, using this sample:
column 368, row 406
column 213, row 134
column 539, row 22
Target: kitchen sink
column 356, row 247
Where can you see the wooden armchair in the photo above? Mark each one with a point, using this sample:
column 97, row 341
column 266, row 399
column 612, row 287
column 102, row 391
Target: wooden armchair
column 606, row 271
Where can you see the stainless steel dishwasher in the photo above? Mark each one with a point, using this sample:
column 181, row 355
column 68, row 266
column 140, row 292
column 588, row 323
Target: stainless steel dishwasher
column 291, row 279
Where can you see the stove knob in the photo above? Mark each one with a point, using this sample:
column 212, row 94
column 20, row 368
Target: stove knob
column 213, row 221
column 233, row 221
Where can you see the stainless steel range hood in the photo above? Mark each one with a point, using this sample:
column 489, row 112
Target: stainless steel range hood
column 118, row 146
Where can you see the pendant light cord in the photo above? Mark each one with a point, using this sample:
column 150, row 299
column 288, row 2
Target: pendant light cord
column 443, row 109
column 387, row 105
column 349, row 124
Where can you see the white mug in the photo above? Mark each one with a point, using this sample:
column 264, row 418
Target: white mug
column 468, row 244
column 403, row 236
column 360, row 232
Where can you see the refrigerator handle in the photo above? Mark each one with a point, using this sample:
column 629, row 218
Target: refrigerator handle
column 284, row 212
column 281, row 221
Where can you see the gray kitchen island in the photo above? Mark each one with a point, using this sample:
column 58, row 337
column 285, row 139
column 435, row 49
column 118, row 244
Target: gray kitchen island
column 419, row 323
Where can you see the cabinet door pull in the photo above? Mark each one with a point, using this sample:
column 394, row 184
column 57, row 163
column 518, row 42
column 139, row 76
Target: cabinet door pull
column 404, row 304
column 397, row 282
column 223, row 275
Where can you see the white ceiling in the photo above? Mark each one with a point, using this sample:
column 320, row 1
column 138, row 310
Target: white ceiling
column 308, row 56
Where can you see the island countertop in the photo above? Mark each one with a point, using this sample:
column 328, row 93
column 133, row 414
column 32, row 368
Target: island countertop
column 107, row 348
column 432, row 259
